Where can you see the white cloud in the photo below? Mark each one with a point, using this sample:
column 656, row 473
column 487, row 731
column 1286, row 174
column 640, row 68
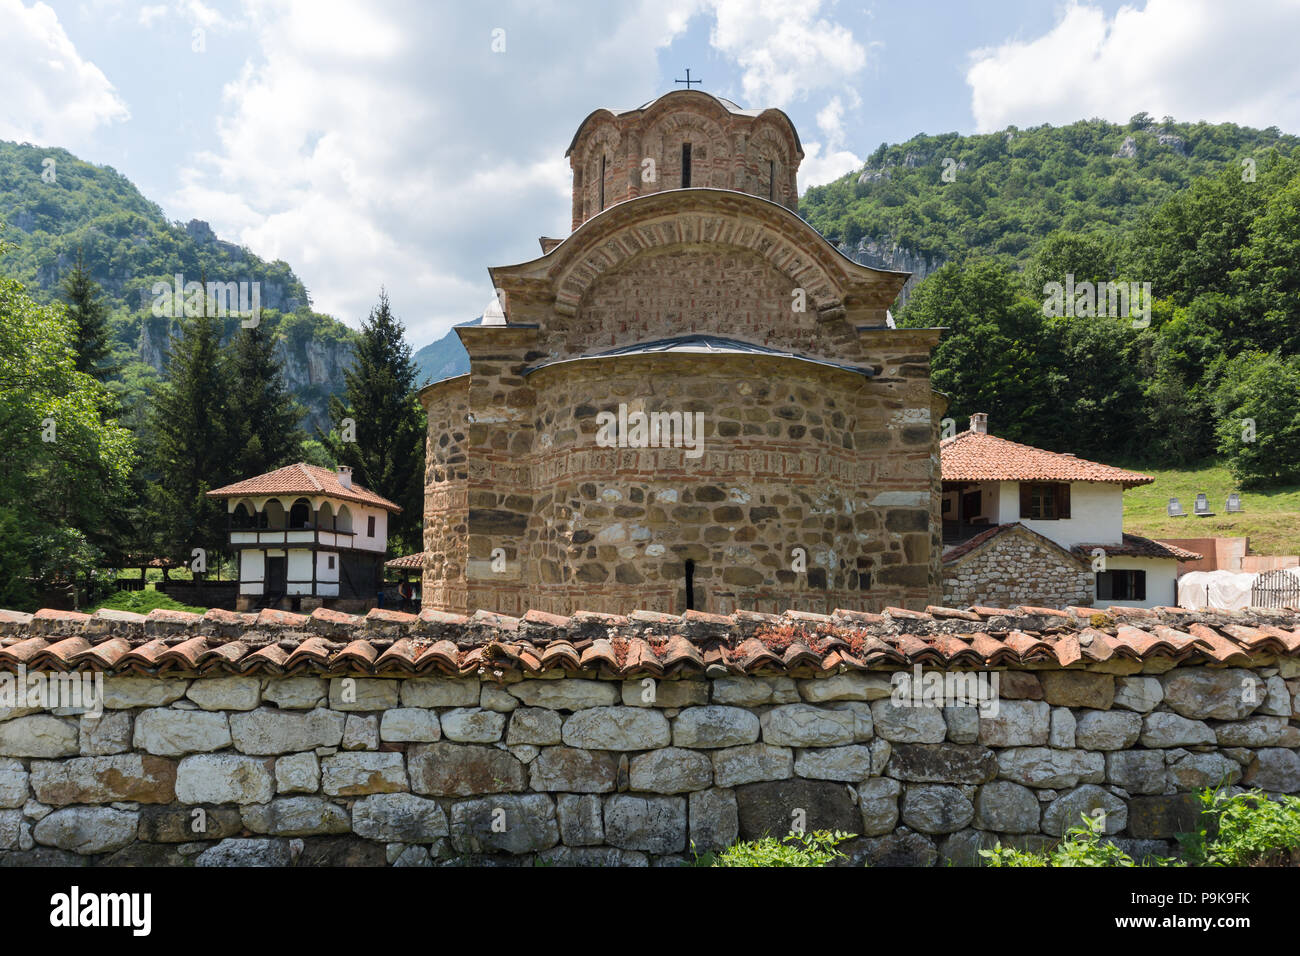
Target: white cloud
column 784, row 48
column 787, row 52
column 1190, row 59
column 374, row 145
column 51, row 95
column 146, row 16
column 194, row 12
column 388, row 145
column 817, row 169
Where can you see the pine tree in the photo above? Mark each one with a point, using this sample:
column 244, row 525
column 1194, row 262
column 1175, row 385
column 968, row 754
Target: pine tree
column 379, row 397
column 192, row 442
column 263, row 414
column 91, row 317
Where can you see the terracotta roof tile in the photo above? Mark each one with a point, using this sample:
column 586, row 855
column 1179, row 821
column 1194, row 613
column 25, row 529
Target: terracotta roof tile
column 1136, row 546
column 639, row 644
column 971, row 544
column 59, row 655
column 302, row 479
column 978, row 456
column 144, row 657
column 1220, row 649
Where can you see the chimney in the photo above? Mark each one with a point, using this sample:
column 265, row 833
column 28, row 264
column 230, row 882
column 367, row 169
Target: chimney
column 345, row 475
column 979, row 423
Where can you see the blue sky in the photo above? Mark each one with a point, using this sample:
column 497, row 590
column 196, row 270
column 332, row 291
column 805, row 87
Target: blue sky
column 387, row 143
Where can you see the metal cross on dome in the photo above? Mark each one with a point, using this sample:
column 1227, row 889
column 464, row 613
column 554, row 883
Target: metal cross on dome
column 688, row 81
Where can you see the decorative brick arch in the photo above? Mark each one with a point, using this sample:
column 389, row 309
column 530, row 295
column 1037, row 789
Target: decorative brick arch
column 716, row 217
column 663, row 134
column 604, row 139
column 767, row 142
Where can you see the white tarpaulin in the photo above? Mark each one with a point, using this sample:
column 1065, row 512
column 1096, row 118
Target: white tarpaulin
column 1226, row 590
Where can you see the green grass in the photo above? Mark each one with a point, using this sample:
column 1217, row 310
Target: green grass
column 1271, row 519
column 142, row 602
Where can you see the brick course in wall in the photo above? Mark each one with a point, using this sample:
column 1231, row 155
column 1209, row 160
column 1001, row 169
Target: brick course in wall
column 605, row 740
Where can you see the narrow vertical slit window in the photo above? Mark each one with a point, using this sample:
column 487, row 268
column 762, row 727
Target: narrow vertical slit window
column 771, row 179
column 686, row 165
column 602, row 182
column 690, row 584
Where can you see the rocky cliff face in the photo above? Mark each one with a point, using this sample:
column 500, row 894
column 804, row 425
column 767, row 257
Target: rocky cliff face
column 313, row 371
column 881, row 252
column 313, row 368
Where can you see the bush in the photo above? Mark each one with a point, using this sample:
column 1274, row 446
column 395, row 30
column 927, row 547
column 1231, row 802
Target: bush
column 794, row 849
column 1253, row 830
column 1082, row 845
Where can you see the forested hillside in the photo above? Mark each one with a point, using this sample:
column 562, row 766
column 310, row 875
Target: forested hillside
column 938, row 198
column 55, row 207
column 1207, row 217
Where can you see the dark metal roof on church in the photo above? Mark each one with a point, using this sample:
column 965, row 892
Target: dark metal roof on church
column 701, row 345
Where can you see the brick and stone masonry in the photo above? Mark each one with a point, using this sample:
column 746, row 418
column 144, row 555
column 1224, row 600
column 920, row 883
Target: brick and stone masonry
column 817, row 485
column 597, row 740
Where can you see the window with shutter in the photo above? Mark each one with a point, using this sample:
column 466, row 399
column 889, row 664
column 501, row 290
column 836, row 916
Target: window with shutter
column 1043, row 501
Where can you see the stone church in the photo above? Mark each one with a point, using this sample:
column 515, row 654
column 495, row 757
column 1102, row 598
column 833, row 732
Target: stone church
column 693, row 401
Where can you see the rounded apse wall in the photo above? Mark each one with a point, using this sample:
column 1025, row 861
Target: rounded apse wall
column 760, row 474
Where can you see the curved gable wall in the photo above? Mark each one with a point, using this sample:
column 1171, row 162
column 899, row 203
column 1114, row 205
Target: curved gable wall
column 679, row 289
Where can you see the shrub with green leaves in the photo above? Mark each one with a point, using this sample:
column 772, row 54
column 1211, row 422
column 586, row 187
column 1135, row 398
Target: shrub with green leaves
column 794, row 849
column 1082, row 845
column 1253, row 830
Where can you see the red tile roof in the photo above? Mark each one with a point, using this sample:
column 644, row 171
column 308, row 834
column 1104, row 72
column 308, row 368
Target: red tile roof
column 1135, row 546
column 978, row 456
column 302, row 479
column 963, row 548
column 643, row 643
column 407, row 562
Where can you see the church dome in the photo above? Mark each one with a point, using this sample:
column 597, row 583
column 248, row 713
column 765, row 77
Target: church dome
column 682, row 139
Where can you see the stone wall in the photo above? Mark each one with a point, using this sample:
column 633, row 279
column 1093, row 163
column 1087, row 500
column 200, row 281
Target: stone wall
column 794, row 455
column 1016, row 567
column 306, row 769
